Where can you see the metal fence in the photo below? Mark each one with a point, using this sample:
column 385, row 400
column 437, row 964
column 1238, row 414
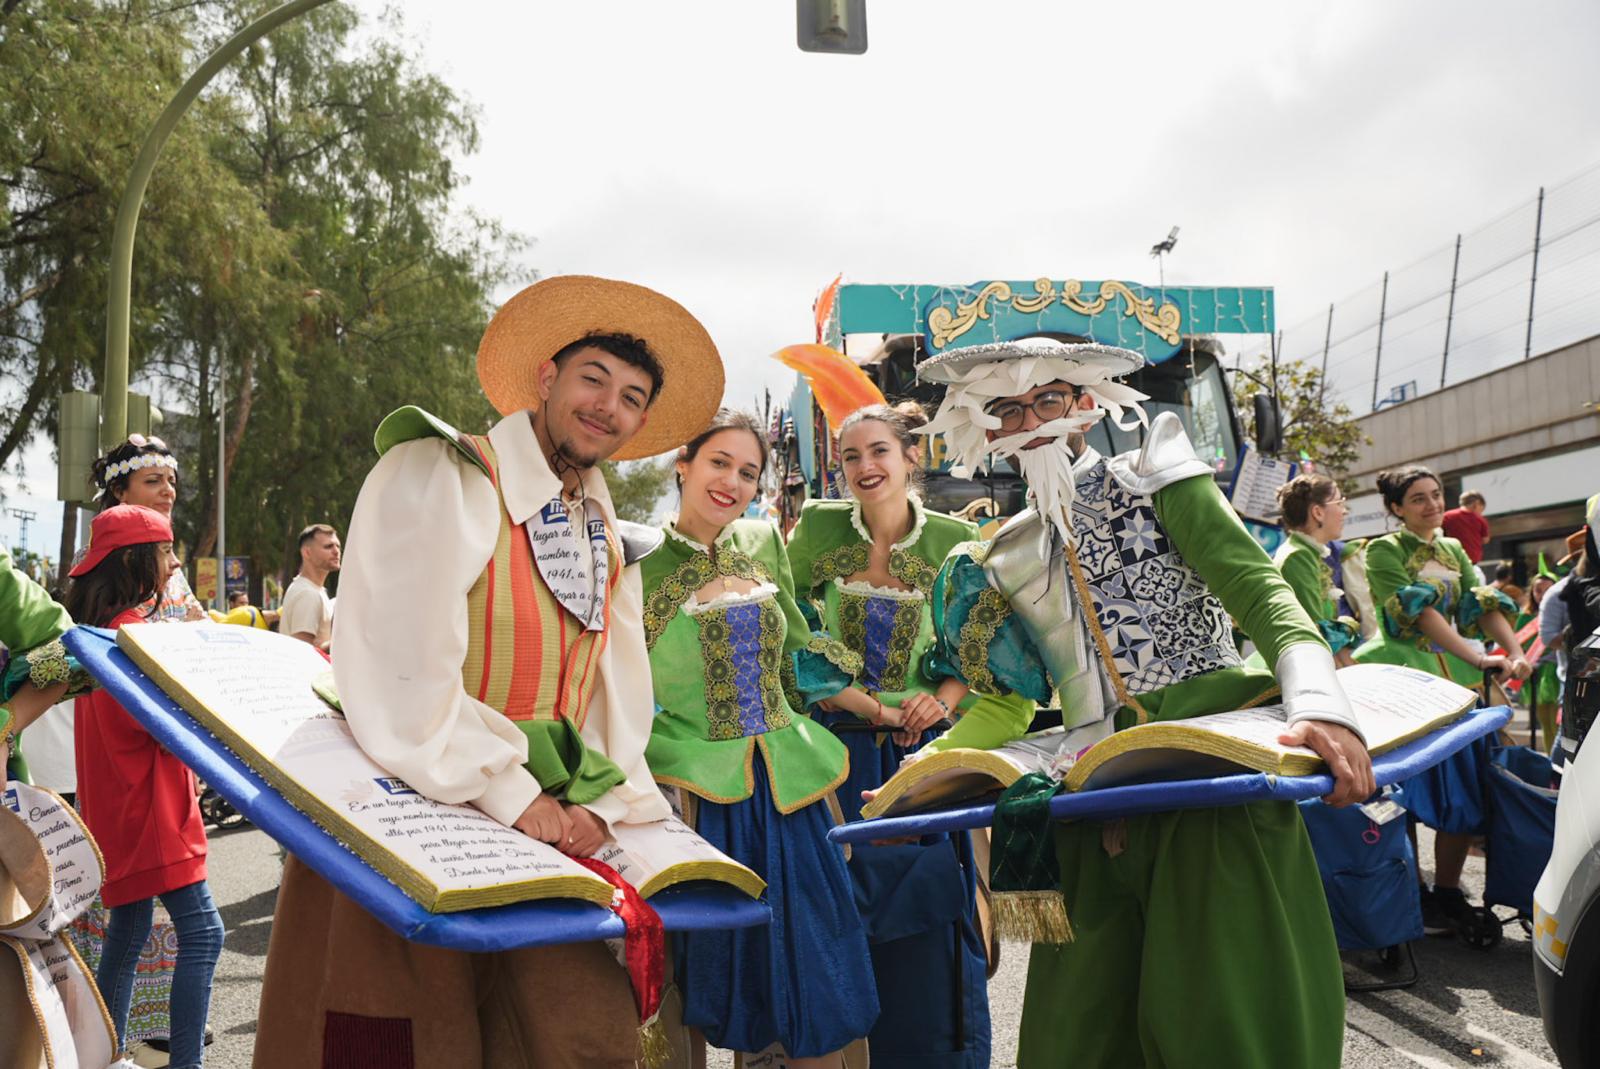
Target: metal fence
column 1524, row 283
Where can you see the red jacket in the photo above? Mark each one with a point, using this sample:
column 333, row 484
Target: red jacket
column 138, row 801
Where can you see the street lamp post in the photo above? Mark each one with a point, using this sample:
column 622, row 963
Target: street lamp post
column 114, row 426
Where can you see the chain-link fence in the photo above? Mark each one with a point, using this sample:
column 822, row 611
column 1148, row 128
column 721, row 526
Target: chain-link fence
column 1522, row 284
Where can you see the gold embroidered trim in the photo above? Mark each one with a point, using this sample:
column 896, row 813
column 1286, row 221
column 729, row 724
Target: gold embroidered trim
column 815, row 796
column 665, row 601
column 977, row 634
column 722, row 692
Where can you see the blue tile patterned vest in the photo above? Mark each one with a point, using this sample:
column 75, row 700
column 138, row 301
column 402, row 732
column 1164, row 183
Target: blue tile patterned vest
column 1162, row 623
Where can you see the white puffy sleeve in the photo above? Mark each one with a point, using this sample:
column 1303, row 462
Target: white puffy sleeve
column 424, row 527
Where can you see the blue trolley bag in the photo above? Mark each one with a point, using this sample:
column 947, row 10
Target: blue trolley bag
column 1449, row 796
column 1369, row 873
column 1521, row 826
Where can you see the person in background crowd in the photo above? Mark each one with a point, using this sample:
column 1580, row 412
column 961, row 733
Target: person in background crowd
column 1553, row 616
column 1544, row 686
column 868, row 566
column 1313, row 513
column 1431, row 608
column 1502, row 576
column 138, row 800
column 1467, row 525
column 143, row 471
column 756, row 777
column 307, row 611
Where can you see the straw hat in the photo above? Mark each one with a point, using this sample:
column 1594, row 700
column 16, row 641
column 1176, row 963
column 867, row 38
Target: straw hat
column 553, row 313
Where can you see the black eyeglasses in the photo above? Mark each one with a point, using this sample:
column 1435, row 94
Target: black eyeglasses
column 1052, row 404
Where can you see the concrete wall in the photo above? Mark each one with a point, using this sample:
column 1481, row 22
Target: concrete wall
column 1549, row 404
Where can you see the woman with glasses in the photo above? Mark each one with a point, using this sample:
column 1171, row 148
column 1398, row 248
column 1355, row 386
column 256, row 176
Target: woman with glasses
column 1313, row 513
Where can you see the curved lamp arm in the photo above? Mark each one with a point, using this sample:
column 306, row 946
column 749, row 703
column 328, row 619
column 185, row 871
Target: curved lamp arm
column 115, row 383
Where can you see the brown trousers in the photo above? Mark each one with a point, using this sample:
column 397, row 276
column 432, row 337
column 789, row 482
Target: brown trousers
column 344, row 992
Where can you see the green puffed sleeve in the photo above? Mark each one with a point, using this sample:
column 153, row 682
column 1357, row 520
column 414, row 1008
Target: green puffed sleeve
column 1478, row 601
column 976, row 639
column 31, row 625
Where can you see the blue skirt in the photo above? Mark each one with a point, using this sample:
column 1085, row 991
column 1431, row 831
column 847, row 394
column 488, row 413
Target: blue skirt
column 919, row 904
column 805, row 980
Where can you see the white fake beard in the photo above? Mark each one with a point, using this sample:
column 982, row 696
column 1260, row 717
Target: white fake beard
column 1047, row 469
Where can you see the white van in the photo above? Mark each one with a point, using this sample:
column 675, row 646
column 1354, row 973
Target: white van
column 1566, row 904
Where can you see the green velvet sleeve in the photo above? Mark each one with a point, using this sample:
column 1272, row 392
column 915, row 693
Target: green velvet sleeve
column 802, row 550
column 1213, row 541
column 30, row 624
column 1303, row 573
column 1386, row 570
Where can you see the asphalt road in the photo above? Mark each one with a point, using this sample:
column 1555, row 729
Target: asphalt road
column 1470, row 1007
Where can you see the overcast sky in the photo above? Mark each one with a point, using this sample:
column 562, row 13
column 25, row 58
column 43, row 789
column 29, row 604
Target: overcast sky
column 692, row 148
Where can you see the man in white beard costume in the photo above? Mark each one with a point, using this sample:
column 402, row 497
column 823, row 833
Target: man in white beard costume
column 1199, row 937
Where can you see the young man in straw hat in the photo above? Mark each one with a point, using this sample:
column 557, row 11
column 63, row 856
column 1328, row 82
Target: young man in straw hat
column 490, row 650
column 1198, row 937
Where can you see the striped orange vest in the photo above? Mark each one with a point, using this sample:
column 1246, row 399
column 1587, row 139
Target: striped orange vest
column 527, row 656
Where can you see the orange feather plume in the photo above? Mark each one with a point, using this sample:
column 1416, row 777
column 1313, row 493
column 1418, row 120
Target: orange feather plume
column 839, row 386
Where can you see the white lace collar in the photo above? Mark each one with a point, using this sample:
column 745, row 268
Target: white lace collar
column 676, row 535
column 919, row 521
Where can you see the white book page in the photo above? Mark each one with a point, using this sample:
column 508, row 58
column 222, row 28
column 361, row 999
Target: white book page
column 1391, row 702
column 642, row 852
column 259, row 685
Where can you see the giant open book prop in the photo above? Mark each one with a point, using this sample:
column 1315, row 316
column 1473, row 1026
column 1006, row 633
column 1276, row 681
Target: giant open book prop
column 238, row 706
column 1412, row 721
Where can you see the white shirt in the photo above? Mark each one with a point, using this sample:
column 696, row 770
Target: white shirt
column 424, row 528
column 306, row 610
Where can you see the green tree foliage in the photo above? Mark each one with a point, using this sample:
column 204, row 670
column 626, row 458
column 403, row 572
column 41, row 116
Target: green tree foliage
column 638, row 486
column 1314, row 428
column 301, row 257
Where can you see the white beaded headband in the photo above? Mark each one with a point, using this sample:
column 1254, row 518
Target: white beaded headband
column 143, row 460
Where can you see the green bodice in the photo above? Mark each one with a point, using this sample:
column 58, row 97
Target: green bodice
column 719, row 672
column 890, row 630
column 1407, row 576
column 1309, row 575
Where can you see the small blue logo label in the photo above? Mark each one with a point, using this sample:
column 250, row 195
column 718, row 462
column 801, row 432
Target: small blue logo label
column 393, row 785
column 555, row 512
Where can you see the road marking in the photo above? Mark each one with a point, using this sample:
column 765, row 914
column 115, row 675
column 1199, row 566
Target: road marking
column 1418, row 1050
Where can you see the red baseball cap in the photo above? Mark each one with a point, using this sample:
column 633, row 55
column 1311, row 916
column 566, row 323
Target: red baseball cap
column 117, row 528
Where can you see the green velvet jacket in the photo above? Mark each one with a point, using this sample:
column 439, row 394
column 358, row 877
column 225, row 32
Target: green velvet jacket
column 1300, row 559
column 1407, row 575
column 831, row 543
column 729, row 674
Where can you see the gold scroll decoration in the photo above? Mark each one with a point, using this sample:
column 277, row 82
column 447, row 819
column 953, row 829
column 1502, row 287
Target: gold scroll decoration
column 946, row 326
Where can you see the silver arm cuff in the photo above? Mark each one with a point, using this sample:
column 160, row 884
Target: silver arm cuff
column 1311, row 689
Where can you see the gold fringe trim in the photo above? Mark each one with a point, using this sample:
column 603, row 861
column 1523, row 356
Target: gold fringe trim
column 1031, row 916
column 655, row 1049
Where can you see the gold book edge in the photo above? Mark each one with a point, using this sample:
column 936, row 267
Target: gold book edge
column 728, row 872
column 416, row 884
column 960, row 758
column 1177, row 735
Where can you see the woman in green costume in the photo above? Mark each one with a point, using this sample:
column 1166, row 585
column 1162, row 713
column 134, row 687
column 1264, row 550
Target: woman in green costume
column 867, row 565
column 1430, row 610
column 1313, row 514
column 722, row 627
